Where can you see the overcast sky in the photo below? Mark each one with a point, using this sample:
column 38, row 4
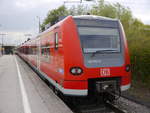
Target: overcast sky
column 19, row 17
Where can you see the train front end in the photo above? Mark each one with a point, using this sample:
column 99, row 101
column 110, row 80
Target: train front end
column 100, row 58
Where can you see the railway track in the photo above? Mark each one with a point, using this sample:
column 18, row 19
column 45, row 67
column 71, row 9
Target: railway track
column 93, row 106
column 115, row 108
column 106, row 108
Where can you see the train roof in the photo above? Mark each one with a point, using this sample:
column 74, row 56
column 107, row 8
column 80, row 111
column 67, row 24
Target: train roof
column 81, row 17
column 94, row 17
column 89, row 17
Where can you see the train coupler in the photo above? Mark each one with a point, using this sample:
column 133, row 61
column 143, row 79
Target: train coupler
column 106, row 86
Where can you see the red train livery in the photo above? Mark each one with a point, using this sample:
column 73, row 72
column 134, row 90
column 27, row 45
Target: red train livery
column 81, row 55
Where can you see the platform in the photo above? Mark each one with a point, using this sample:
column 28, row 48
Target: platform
column 22, row 91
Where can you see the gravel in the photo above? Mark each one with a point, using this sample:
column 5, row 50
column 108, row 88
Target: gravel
column 131, row 106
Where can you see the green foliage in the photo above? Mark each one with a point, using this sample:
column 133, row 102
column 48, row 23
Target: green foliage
column 103, row 9
column 53, row 16
column 78, row 10
column 138, row 34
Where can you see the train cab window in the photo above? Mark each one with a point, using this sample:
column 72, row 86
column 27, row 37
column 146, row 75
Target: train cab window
column 56, row 41
column 99, row 36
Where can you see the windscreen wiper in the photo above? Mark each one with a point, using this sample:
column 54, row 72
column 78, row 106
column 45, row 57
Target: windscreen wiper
column 103, row 51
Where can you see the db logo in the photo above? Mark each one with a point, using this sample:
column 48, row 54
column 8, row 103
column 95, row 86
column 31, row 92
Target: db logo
column 105, row 72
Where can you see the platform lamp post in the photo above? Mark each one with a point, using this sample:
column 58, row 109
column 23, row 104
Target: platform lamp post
column 0, row 45
column 2, row 34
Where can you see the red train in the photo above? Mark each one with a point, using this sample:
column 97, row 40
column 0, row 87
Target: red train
column 81, row 55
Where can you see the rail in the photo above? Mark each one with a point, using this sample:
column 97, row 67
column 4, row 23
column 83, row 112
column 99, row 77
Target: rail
column 115, row 108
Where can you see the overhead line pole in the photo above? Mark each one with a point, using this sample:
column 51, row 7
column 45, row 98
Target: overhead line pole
column 73, row 1
column 80, row 1
column 39, row 23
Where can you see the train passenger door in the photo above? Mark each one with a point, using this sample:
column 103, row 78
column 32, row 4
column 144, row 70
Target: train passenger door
column 56, row 51
column 38, row 54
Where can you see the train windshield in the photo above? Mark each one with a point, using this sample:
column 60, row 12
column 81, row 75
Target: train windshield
column 99, row 39
column 102, row 37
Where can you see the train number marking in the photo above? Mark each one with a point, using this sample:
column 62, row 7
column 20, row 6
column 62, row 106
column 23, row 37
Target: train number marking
column 105, row 72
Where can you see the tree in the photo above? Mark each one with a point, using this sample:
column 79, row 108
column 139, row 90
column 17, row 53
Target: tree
column 78, row 10
column 53, row 16
column 103, row 9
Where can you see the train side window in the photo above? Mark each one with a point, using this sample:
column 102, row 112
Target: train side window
column 42, row 51
column 48, row 51
column 56, row 41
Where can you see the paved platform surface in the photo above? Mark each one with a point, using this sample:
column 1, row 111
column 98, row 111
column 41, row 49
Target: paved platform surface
column 22, row 91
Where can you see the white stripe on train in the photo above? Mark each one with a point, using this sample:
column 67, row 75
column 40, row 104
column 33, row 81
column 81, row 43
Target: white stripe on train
column 125, row 87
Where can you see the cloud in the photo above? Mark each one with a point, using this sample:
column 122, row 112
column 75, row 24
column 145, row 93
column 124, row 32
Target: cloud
column 21, row 14
column 139, row 8
column 19, row 17
column 143, row 17
column 30, row 4
column 34, row 3
column 13, row 38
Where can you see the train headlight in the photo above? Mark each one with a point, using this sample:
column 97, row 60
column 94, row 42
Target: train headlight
column 128, row 68
column 76, row 71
